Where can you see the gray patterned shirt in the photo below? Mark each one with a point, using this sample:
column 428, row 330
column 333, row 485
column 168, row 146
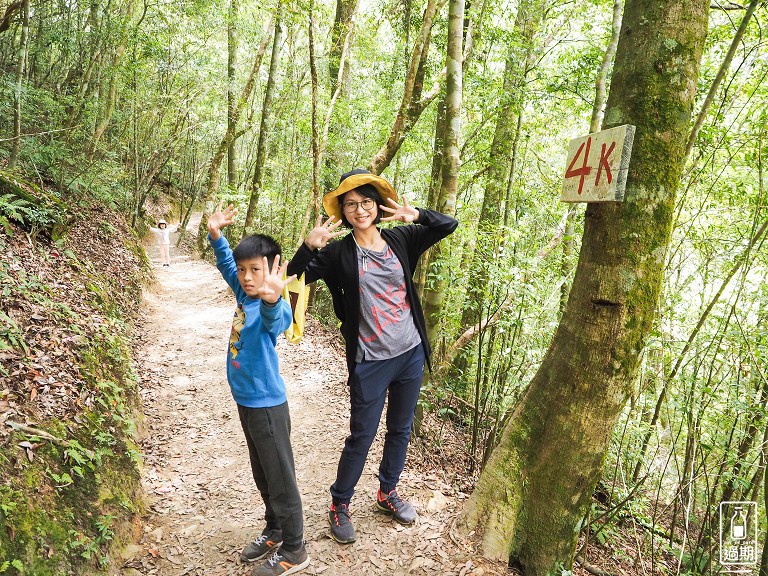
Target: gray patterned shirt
column 386, row 324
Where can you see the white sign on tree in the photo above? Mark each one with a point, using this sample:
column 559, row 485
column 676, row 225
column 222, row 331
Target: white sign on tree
column 597, row 166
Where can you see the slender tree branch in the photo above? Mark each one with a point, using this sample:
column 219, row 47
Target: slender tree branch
column 720, row 75
column 715, row 299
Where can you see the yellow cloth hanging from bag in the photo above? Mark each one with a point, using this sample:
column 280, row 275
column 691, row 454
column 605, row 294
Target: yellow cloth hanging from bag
column 297, row 295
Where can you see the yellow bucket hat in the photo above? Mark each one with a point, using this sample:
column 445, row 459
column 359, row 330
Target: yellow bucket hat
column 351, row 180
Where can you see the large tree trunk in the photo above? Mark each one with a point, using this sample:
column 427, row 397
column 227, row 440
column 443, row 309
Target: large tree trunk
column 342, row 26
column 538, row 483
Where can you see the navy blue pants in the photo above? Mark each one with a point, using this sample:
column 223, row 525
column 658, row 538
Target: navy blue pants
column 268, row 436
column 368, row 386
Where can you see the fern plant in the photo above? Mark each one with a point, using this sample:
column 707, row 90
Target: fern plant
column 14, row 208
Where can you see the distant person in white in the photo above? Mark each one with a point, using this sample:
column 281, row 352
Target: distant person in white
column 163, row 234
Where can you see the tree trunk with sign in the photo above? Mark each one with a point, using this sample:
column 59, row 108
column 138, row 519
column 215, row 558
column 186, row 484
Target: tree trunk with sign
column 538, row 483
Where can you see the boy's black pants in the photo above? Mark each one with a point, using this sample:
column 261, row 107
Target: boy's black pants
column 268, row 434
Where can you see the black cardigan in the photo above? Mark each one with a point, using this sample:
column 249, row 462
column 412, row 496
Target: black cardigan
column 337, row 265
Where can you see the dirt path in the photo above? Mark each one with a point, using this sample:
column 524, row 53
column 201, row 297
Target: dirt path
column 203, row 504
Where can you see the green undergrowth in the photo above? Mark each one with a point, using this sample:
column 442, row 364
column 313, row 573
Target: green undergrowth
column 69, row 405
column 68, row 509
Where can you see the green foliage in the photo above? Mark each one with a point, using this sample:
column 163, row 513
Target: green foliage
column 12, row 564
column 93, row 546
column 11, row 336
column 95, row 480
column 26, row 205
column 15, row 209
column 65, row 503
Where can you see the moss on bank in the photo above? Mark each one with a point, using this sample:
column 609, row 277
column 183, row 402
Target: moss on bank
column 69, row 404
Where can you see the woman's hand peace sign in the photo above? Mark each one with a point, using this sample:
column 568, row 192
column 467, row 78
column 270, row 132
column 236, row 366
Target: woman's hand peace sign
column 323, row 232
column 403, row 213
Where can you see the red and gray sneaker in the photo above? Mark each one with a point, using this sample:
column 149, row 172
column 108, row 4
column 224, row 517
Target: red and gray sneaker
column 341, row 524
column 262, row 546
column 400, row 510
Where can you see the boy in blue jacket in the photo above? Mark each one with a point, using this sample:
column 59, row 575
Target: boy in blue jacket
column 254, row 273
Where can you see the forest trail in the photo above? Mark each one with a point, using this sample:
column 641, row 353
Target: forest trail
column 203, row 506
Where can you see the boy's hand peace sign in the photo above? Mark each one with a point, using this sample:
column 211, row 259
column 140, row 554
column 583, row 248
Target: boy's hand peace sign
column 273, row 280
column 323, row 232
column 403, row 212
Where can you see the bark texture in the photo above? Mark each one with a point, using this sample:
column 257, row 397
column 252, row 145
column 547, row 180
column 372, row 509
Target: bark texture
column 537, row 485
column 519, row 61
column 451, row 154
column 342, row 25
column 266, row 120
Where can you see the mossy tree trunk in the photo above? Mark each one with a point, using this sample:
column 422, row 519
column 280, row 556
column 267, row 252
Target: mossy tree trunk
column 342, row 24
column 266, row 120
column 519, row 61
column 233, row 117
column 537, row 485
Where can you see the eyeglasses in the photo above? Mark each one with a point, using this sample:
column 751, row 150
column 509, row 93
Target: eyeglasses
column 351, row 206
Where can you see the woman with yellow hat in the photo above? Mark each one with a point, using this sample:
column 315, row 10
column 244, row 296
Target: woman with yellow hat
column 369, row 274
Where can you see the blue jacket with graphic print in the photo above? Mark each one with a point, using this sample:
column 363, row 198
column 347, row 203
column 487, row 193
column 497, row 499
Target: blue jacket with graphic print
column 252, row 366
